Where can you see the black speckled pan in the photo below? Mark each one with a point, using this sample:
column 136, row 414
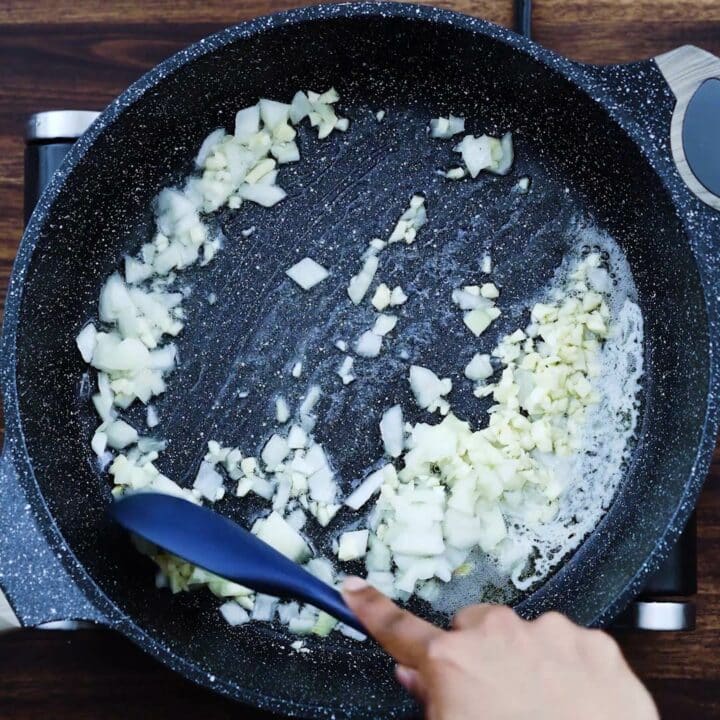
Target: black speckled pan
column 595, row 142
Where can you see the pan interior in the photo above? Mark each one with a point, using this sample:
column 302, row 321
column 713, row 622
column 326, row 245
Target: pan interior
column 343, row 192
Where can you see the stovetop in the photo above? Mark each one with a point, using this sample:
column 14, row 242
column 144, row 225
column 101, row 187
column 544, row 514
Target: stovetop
column 667, row 600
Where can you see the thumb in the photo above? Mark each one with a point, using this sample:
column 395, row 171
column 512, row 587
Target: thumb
column 404, row 635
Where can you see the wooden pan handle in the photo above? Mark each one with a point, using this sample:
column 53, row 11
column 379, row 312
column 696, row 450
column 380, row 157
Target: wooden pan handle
column 685, row 70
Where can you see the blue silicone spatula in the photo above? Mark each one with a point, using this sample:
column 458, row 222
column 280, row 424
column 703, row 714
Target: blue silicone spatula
column 211, row 541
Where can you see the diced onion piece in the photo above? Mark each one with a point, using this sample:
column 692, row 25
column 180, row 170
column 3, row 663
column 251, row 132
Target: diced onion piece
column 360, row 283
column 486, row 265
column 265, row 195
column 384, row 324
column 429, row 390
column 234, row 614
column 410, row 221
column 489, row 290
column 207, row 146
column 391, row 431
column 477, row 152
column 297, row 369
column 300, row 107
column 307, row 273
column 273, row 113
column 446, row 127
column 247, row 123
column 209, row 483
column 503, row 165
column 98, row 443
column 282, row 410
column 276, row 532
column 353, row 545
column 275, row 451
column 368, row 344
column 479, row 368
column 297, row 438
column 324, row 624
column 135, row 271
column 264, row 607
column 398, row 296
column 369, row 487
column 381, row 298
column 478, row 320
column 456, row 173
column 152, row 418
column 120, row 434
column 345, row 370
column 86, row 341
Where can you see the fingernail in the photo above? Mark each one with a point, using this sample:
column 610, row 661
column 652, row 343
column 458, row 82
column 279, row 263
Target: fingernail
column 354, row 584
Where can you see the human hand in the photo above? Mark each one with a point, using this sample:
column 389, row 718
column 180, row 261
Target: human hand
column 493, row 665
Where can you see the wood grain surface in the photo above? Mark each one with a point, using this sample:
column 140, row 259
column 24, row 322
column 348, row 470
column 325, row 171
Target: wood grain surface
column 81, row 54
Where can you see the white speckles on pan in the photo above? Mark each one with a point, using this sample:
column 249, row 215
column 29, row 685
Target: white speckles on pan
column 600, row 133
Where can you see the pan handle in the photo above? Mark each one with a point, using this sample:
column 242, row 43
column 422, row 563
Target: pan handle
column 34, row 577
column 693, row 75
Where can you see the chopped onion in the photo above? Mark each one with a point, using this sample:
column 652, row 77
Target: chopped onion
column 275, row 451
column 297, row 438
column 307, row 273
column 410, row 221
column 489, row 290
column 247, row 123
column 276, row 532
column 345, row 370
column 479, row 320
column 391, row 431
column 296, row 369
column 264, row 607
column 209, row 483
column 265, row 195
column 234, row 614
column 446, row 127
column 369, row 487
column 353, row 545
column 120, row 434
column 479, row 367
column 360, row 283
column 503, row 165
column 397, row 296
column 368, row 344
column 381, row 298
column 384, row 324
column 282, row 410
column 86, row 342
column 207, row 146
column 477, row 152
column 429, row 390
column 98, row 443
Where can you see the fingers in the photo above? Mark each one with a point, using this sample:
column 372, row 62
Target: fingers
column 412, row 681
column 471, row 616
column 499, row 617
column 402, row 634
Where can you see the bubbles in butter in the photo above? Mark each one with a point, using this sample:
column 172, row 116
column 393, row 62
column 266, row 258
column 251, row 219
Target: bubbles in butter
column 593, row 475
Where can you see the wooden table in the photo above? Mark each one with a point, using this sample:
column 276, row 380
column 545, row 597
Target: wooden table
column 80, row 54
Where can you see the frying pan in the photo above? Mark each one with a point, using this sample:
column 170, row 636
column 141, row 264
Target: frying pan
column 603, row 146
